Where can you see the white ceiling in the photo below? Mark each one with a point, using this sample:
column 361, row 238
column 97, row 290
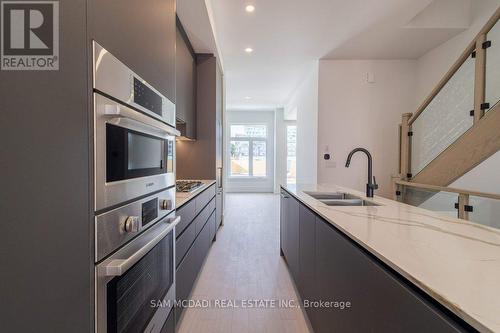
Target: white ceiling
column 288, row 35
column 197, row 21
column 408, row 33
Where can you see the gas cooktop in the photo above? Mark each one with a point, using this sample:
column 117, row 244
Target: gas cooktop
column 187, row 185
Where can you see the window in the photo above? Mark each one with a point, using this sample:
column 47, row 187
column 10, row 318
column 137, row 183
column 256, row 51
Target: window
column 240, row 165
column 248, row 150
column 291, row 154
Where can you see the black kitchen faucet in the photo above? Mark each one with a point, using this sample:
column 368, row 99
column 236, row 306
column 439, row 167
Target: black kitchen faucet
column 370, row 186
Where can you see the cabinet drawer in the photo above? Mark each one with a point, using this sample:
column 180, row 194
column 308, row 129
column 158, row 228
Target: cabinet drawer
column 212, row 224
column 183, row 242
column 188, row 270
column 204, row 197
column 187, row 214
column 202, row 218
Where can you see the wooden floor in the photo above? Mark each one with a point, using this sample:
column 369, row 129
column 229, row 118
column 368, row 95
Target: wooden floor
column 244, row 264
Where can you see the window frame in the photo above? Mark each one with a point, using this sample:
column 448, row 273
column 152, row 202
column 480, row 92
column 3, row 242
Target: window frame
column 250, row 140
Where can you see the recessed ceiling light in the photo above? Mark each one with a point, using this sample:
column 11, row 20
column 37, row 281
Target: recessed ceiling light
column 248, row 50
column 248, row 97
column 250, row 8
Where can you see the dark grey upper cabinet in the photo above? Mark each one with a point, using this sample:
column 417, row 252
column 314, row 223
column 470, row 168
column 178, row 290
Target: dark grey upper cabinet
column 141, row 34
column 185, row 105
column 199, row 159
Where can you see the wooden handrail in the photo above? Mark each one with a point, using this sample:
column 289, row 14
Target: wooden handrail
column 467, row 52
column 448, row 189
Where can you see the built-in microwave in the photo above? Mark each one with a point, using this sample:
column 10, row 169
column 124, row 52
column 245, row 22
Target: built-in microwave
column 134, row 141
column 114, row 79
column 134, row 154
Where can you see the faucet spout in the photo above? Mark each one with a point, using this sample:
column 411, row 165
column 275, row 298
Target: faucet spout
column 370, row 186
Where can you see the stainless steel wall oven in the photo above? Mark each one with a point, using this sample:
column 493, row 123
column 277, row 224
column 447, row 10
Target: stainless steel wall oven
column 134, row 134
column 134, row 181
column 135, row 286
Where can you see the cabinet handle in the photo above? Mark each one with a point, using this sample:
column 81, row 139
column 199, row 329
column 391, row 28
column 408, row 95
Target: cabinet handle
column 118, row 267
column 220, row 178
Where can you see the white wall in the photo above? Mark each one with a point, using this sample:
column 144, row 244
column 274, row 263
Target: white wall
column 280, row 153
column 304, row 103
column 354, row 113
column 432, row 66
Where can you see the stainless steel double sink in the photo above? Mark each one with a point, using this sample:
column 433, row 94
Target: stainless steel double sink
column 340, row 199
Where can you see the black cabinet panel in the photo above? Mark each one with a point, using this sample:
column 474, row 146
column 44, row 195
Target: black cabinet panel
column 380, row 303
column 141, row 34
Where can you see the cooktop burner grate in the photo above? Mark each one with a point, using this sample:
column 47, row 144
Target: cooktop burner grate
column 188, row 185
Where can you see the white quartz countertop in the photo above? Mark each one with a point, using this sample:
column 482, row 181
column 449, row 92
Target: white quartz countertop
column 454, row 261
column 183, row 197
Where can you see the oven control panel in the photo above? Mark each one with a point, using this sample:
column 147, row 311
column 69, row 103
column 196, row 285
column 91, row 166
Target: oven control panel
column 116, row 227
column 149, row 211
column 147, row 98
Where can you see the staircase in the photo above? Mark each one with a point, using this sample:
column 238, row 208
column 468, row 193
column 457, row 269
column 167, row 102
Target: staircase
column 457, row 126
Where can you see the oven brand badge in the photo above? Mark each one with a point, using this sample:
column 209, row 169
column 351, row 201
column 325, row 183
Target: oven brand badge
column 29, row 35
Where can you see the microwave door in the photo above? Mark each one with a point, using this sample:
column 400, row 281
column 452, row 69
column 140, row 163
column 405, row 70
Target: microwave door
column 134, row 154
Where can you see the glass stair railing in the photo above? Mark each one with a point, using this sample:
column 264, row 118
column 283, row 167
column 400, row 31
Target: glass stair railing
column 469, row 90
column 445, row 119
column 479, row 207
column 493, row 66
column 455, row 128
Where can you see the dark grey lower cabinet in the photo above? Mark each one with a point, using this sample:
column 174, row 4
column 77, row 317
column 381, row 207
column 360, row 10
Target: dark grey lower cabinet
column 328, row 266
column 290, row 235
column 379, row 302
column 283, row 218
column 306, row 282
column 188, row 269
column 212, row 224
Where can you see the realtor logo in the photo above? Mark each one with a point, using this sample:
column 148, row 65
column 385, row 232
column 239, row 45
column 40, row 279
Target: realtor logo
column 30, row 35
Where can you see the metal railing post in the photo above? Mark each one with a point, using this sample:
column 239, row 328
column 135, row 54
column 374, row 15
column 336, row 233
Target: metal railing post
column 479, row 78
column 405, row 147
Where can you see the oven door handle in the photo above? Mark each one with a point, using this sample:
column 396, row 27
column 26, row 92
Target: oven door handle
column 119, row 111
column 118, row 267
